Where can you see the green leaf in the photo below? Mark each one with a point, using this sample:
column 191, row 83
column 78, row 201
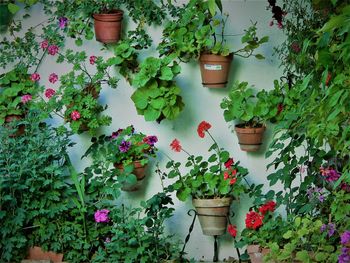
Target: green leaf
column 259, row 56
column 166, row 74
column 140, row 100
column 288, row 234
column 151, row 114
column 212, row 7
column 183, row 194
column 13, row 8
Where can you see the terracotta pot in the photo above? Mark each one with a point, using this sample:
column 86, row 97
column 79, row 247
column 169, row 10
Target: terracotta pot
column 215, row 70
column 250, row 139
column 139, row 172
column 108, row 26
column 257, row 253
column 212, row 214
column 20, row 129
column 36, row 253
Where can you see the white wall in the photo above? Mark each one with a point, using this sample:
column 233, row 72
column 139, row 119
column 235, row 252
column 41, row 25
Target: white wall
column 201, row 104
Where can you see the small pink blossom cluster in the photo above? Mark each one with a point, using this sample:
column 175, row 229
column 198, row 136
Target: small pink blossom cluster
column 49, row 93
column 101, row 216
column 75, row 115
column 53, row 78
column 35, row 77
column 51, row 49
column 330, row 174
column 92, row 60
column 26, row 98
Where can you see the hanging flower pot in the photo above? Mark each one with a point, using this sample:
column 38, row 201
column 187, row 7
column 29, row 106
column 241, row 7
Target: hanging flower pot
column 257, row 253
column 20, row 129
column 139, row 172
column 215, row 70
column 212, row 214
column 108, row 26
column 5, row 17
column 36, row 253
column 250, row 139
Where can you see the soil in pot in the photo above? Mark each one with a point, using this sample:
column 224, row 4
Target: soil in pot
column 36, row 253
column 215, row 70
column 139, row 172
column 108, row 26
column 212, row 215
column 250, row 139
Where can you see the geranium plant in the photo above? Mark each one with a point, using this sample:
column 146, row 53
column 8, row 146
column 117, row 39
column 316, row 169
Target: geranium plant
column 218, row 176
column 79, row 91
column 18, row 91
column 122, row 153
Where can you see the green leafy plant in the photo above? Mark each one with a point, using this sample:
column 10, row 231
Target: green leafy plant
column 252, row 110
column 305, row 242
column 137, row 238
column 18, row 93
column 194, row 31
column 34, row 196
column 157, row 95
column 217, row 177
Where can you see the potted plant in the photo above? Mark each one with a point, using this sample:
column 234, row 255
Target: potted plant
column 79, row 91
column 252, row 110
column 18, row 91
column 212, row 183
column 261, row 228
column 128, row 152
column 194, row 34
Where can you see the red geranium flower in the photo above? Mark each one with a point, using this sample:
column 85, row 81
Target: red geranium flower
column 269, row 206
column 175, row 145
column 234, row 172
column 253, row 220
column 226, row 175
column 202, row 127
column 228, row 163
column 233, row 181
column 279, row 108
column 232, row 230
column 329, row 77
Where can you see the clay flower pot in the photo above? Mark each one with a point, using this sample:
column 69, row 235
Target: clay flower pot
column 21, row 128
column 212, row 214
column 257, row 253
column 215, row 70
column 250, row 139
column 36, row 253
column 139, row 172
column 108, row 26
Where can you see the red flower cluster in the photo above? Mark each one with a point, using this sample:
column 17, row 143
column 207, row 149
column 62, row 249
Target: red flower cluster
column 253, row 220
column 269, row 206
column 175, row 145
column 202, row 127
column 232, row 230
column 230, row 173
column 229, row 163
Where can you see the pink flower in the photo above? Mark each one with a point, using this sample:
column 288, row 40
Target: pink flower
column 52, row 50
column 271, row 23
column 53, row 77
column 44, row 44
column 101, row 216
column 280, row 26
column 92, row 60
column 75, row 115
column 35, row 77
column 26, row 98
column 49, row 93
column 62, row 22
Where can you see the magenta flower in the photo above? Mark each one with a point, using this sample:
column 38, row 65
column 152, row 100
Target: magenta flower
column 124, row 146
column 101, row 216
column 53, row 77
column 280, row 25
column 52, row 50
column 75, row 115
column 62, row 22
column 35, row 77
column 344, row 257
column 44, row 44
column 345, row 237
column 92, row 60
column 116, row 134
column 150, row 140
column 26, row 98
column 49, row 93
column 330, row 174
column 271, row 23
